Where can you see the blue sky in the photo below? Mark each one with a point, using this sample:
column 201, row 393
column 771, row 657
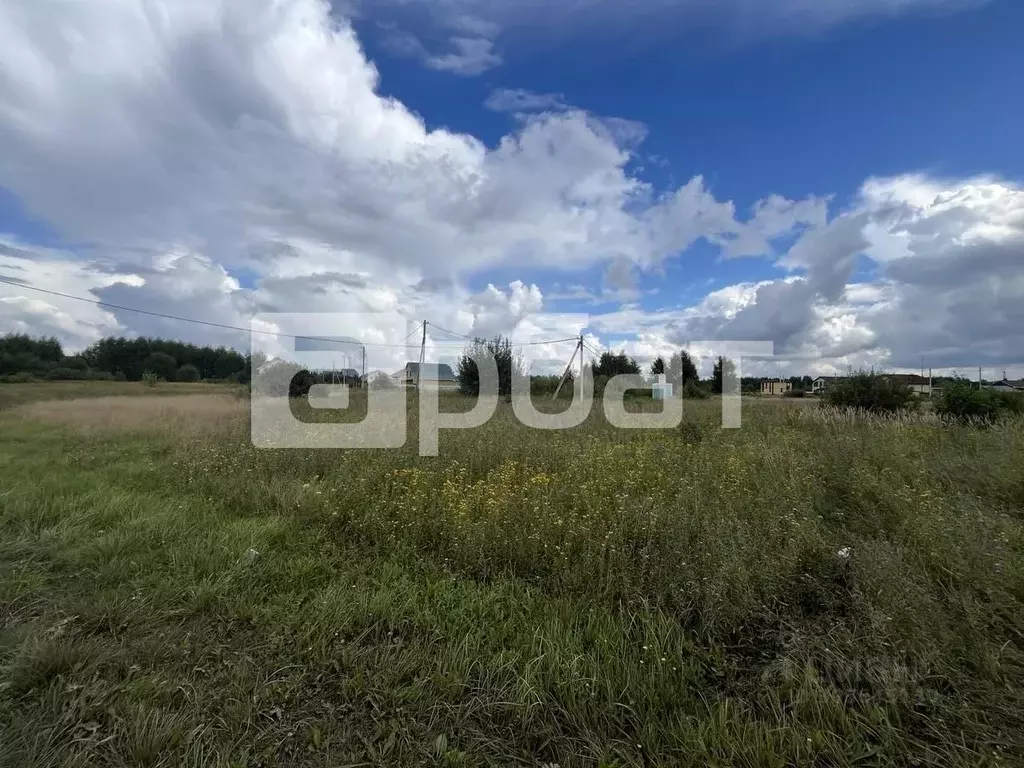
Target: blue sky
column 799, row 113
column 228, row 158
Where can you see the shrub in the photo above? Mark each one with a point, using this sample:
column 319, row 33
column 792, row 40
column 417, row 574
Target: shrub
column 694, row 391
column 381, row 381
column 798, row 393
column 187, row 372
column 876, row 393
column 149, row 379
column 300, row 384
column 161, row 364
column 961, row 401
column 63, row 374
column 22, row 377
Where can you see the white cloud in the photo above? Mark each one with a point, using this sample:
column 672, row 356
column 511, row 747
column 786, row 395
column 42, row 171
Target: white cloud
column 239, row 129
column 471, row 51
column 952, row 291
column 523, row 101
column 471, row 56
column 186, row 143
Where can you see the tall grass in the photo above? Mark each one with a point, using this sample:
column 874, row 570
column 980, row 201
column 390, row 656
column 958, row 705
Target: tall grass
column 819, row 587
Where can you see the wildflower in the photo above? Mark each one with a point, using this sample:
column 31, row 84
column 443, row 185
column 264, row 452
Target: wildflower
column 844, row 553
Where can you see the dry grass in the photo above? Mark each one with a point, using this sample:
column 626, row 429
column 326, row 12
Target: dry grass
column 13, row 395
column 187, row 414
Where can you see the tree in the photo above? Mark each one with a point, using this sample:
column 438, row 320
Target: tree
column 161, row 364
column 962, row 401
column 723, row 376
column 612, row 364
column 381, row 380
column 870, row 392
column 658, row 366
column 301, row 383
column 20, row 353
column 509, row 364
column 681, row 370
column 187, row 372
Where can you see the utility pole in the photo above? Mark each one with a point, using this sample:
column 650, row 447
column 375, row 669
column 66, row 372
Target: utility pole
column 362, row 379
column 931, row 389
column 979, row 377
column 423, row 353
column 577, row 348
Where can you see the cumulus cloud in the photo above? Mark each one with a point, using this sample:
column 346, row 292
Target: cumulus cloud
column 946, row 282
column 239, row 128
column 186, row 145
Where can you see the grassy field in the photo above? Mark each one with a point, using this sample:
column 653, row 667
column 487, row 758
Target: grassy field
column 12, row 395
column 812, row 589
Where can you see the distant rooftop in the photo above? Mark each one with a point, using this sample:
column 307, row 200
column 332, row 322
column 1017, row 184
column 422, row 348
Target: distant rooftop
column 431, row 371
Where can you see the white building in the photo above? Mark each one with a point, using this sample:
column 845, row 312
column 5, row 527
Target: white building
column 436, row 375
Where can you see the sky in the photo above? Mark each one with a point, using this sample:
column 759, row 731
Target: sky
column 841, row 179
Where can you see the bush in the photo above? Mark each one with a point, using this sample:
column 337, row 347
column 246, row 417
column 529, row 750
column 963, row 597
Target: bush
column 300, row 384
column 798, row 393
column 187, row 372
column 381, row 381
column 876, row 393
column 961, row 401
column 161, row 364
column 149, row 379
column 64, row 374
column 694, row 391
column 22, row 377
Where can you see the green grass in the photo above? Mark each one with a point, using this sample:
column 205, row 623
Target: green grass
column 588, row 597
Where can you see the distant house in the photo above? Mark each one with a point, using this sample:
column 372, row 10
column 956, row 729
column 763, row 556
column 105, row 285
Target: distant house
column 917, row 384
column 822, row 383
column 436, row 375
column 1005, row 385
column 777, row 387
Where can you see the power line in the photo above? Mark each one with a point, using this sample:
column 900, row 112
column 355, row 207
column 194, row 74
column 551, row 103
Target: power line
column 224, row 326
column 521, row 344
column 209, row 323
column 552, row 341
column 453, row 333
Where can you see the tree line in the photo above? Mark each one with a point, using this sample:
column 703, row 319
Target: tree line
column 25, row 358
column 680, row 370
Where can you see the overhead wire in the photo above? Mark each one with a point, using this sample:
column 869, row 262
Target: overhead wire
column 225, row 326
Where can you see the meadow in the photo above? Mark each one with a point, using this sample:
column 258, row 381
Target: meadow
column 816, row 588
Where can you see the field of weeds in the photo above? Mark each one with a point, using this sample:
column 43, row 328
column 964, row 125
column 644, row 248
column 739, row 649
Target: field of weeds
column 815, row 588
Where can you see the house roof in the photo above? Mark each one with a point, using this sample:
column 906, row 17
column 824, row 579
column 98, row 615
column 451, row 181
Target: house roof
column 431, row 371
column 1008, row 383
